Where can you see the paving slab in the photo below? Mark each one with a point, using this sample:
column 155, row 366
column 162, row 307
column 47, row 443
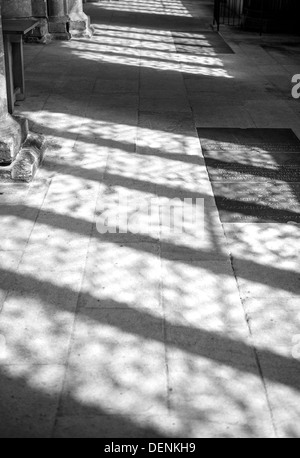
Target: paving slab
column 117, row 364
column 217, row 393
column 136, row 270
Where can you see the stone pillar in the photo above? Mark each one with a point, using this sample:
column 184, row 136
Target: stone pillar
column 79, row 22
column 58, row 19
column 67, row 19
column 10, row 130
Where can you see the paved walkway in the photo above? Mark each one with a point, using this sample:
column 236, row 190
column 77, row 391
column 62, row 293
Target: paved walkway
column 152, row 334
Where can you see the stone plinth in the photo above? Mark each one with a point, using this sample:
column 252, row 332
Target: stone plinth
column 79, row 22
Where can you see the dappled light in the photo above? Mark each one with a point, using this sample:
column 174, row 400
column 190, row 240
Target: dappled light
column 175, row 8
column 116, row 323
column 270, row 244
column 151, row 51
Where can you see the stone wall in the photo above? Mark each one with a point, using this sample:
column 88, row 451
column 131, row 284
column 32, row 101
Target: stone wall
column 24, row 8
column 17, row 8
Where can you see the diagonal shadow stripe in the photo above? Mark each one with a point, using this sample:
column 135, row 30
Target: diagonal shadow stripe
column 205, row 344
column 250, row 270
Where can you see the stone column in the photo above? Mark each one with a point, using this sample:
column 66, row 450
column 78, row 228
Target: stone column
column 67, row 19
column 79, row 22
column 10, row 130
column 58, row 19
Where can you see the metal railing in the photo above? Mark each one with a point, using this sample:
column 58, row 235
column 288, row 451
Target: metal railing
column 228, row 12
column 261, row 15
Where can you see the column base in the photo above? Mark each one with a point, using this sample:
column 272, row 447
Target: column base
column 29, row 158
column 80, row 26
column 13, row 132
column 75, row 25
column 58, row 28
column 21, row 151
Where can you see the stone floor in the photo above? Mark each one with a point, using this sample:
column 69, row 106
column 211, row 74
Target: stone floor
column 150, row 333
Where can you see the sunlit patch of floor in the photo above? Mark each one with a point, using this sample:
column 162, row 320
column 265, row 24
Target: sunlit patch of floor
column 112, row 326
column 151, row 49
column 158, row 7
